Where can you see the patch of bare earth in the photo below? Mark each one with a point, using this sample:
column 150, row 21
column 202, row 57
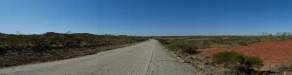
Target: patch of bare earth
column 272, row 53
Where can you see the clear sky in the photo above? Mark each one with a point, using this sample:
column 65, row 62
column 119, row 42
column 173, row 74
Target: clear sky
column 147, row 17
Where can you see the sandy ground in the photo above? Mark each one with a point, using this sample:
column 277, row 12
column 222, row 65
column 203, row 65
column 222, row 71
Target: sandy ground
column 147, row 58
column 272, row 53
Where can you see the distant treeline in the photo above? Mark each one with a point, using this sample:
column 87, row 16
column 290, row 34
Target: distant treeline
column 52, row 40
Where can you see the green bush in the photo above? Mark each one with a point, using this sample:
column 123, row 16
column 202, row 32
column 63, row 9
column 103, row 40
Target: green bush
column 228, row 58
column 234, row 58
column 183, row 46
column 253, row 62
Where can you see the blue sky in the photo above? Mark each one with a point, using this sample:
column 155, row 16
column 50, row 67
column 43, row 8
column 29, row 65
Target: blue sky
column 147, row 17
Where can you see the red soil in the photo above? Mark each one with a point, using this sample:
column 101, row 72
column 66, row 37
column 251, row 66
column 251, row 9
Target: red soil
column 272, row 53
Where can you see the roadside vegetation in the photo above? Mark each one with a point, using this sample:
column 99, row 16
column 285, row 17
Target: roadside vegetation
column 186, row 47
column 237, row 62
column 189, row 45
column 24, row 49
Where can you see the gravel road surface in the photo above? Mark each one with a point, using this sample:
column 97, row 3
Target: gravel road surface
column 147, row 58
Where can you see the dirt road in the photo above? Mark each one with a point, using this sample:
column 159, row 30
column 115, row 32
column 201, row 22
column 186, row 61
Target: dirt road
column 147, row 58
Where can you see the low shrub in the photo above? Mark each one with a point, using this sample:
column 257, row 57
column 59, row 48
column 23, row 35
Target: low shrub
column 228, row 58
column 238, row 62
column 253, row 62
column 52, row 40
column 54, row 46
column 181, row 47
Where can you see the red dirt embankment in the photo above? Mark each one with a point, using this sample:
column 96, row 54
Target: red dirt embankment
column 272, row 53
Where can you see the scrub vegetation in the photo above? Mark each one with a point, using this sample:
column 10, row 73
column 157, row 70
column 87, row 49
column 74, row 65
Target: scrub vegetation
column 189, row 48
column 190, row 45
column 238, row 62
column 24, row 49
